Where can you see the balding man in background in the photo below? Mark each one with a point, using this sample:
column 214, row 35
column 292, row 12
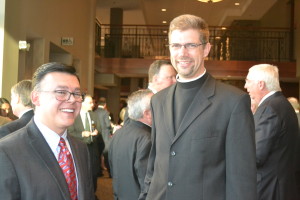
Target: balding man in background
column 161, row 75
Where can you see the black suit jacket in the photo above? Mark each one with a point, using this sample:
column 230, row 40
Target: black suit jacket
column 17, row 124
column 276, row 129
column 103, row 117
column 30, row 171
column 128, row 156
column 212, row 153
column 95, row 143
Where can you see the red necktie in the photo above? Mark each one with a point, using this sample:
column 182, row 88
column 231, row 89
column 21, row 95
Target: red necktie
column 66, row 164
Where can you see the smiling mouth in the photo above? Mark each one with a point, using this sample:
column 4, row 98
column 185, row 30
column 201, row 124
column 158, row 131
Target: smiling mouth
column 68, row 110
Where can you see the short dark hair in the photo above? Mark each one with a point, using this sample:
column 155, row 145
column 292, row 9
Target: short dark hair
column 102, row 101
column 23, row 90
column 155, row 68
column 47, row 68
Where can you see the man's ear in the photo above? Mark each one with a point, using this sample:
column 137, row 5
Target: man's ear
column 147, row 114
column 18, row 101
column 154, row 78
column 35, row 98
column 261, row 85
column 207, row 49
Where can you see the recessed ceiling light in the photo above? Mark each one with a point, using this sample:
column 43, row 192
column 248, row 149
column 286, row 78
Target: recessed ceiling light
column 164, row 22
column 237, row 4
column 223, row 28
column 163, row 9
column 165, row 31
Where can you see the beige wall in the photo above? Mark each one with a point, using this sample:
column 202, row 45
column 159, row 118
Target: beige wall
column 43, row 23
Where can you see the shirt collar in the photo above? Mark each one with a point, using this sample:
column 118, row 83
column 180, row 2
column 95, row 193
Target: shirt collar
column 266, row 96
column 24, row 111
column 50, row 136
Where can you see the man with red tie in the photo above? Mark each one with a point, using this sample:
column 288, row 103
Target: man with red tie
column 41, row 161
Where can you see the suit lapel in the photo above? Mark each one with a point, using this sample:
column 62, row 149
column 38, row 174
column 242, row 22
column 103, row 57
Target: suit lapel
column 198, row 105
column 168, row 111
column 78, row 165
column 44, row 153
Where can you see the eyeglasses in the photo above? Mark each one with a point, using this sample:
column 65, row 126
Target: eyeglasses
column 64, row 95
column 189, row 46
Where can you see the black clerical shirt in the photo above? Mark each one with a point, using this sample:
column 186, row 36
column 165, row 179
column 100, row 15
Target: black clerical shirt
column 185, row 93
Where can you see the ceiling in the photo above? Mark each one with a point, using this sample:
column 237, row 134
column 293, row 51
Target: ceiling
column 149, row 12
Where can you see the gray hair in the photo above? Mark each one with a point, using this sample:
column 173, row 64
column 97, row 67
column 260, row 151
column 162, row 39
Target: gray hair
column 267, row 73
column 138, row 103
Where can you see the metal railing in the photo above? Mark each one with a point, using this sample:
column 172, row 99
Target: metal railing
column 230, row 43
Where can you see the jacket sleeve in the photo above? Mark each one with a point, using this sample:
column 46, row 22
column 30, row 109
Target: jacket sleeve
column 150, row 164
column 240, row 152
column 266, row 134
column 140, row 165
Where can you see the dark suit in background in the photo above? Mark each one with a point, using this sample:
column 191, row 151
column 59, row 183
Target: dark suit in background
column 276, row 134
column 104, row 120
column 95, row 143
column 130, row 147
column 128, row 155
column 17, row 124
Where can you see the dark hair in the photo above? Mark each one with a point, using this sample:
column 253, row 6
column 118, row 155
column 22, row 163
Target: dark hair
column 102, row 101
column 47, row 68
column 155, row 68
column 3, row 100
column 3, row 112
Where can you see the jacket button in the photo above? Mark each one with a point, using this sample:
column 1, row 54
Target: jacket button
column 170, row 184
column 173, row 153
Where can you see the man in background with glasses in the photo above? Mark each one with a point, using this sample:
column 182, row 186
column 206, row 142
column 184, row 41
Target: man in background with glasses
column 41, row 161
column 203, row 143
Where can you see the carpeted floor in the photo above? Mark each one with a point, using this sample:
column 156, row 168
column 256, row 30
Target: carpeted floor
column 104, row 188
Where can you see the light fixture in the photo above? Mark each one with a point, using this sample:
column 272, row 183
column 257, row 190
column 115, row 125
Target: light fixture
column 23, row 45
column 209, row 1
column 163, row 10
column 164, row 22
column 237, row 4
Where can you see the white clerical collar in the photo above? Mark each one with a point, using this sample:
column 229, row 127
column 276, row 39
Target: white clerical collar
column 266, row 96
column 190, row 80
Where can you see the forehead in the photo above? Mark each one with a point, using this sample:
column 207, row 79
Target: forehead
column 60, row 79
column 191, row 35
column 251, row 76
column 166, row 69
column 5, row 105
column 88, row 99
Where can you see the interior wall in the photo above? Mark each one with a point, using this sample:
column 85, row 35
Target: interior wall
column 42, row 23
column 278, row 15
